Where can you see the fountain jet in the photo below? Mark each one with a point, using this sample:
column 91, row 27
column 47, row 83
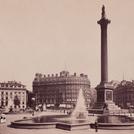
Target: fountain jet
column 80, row 111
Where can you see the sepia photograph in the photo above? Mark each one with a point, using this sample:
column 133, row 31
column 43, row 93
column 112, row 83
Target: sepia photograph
column 66, row 66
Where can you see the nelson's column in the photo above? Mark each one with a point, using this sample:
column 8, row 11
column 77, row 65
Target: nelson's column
column 104, row 89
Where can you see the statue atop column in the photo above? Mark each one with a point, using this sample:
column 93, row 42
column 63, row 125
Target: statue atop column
column 103, row 12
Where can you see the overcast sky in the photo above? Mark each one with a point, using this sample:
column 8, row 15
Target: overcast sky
column 48, row 36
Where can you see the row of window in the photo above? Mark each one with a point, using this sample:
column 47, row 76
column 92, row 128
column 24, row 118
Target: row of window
column 2, row 92
column 4, row 101
column 11, row 93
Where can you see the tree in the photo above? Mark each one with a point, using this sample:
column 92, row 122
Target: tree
column 16, row 101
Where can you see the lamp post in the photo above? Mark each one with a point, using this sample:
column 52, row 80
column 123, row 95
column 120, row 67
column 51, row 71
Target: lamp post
column 33, row 105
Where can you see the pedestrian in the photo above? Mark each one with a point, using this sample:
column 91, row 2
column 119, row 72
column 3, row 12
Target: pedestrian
column 33, row 113
column 96, row 126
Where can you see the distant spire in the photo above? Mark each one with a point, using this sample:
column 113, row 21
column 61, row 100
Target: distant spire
column 103, row 12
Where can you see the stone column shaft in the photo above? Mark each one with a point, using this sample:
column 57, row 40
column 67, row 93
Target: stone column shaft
column 104, row 52
column 104, row 55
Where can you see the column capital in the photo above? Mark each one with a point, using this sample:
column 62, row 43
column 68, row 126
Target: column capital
column 103, row 21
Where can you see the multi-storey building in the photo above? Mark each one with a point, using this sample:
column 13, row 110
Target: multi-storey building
column 13, row 95
column 30, row 97
column 60, row 90
column 124, row 94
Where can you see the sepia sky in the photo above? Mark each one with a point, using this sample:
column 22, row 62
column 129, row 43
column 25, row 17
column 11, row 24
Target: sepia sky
column 48, row 36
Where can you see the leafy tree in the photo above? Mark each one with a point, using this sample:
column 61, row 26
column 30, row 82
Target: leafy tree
column 16, row 101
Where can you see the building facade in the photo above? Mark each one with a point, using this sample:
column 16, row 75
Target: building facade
column 60, row 90
column 13, row 96
column 30, row 96
column 124, row 94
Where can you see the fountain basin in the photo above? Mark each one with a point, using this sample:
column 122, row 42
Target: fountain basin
column 70, row 127
column 54, row 121
column 114, row 126
column 77, row 120
column 24, row 125
column 112, row 122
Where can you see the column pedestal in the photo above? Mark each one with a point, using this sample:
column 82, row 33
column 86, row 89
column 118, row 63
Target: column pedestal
column 105, row 102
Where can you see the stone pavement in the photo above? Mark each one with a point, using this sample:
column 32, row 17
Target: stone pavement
column 5, row 129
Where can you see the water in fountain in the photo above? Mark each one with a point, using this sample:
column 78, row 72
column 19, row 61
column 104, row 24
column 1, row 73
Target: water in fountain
column 80, row 111
column 78, row 119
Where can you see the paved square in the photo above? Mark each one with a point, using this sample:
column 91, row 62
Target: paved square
column 5, row 129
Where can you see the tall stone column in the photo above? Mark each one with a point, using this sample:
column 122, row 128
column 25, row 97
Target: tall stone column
column 104, row 53
column 104, row 89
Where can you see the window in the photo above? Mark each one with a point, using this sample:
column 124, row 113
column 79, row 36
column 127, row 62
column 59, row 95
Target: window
column 11, row 94
column 6, row 102
column 2, row 103
column 2, row 94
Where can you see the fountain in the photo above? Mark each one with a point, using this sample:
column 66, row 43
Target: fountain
column 77, row 120
column 80, row 111
column 79, row 117
column 114, row 122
